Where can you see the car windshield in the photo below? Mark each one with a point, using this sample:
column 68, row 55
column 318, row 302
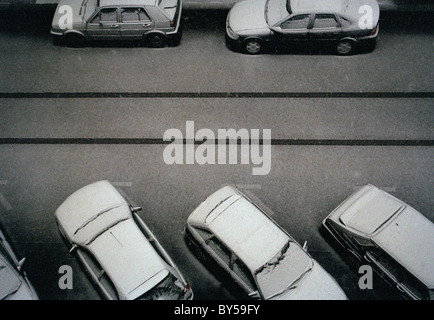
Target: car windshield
column 10, row 283
column 168, row 289
column 88, row 7
column 283, row 271
column 277, row 10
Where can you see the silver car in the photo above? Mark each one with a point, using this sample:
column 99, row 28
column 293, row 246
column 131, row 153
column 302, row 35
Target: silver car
column 117, row 249
column 392, row 237
column 264, row 260
column 153, row 22
column 14, row 284
column 254, row 25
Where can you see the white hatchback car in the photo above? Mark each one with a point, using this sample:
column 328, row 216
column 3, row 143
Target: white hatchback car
column 259, row 255
column 118, row 250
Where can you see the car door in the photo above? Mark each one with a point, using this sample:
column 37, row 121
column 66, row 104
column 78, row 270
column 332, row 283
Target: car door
column 395, row 274
column 135, row 22
column 104, row 25
column 244, row 277
column 325, row 29
column 293, row 31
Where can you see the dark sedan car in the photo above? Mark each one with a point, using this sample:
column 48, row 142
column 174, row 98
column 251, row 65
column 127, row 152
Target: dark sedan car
column 253, row 25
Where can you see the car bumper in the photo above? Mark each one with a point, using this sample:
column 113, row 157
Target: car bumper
column 232, row 43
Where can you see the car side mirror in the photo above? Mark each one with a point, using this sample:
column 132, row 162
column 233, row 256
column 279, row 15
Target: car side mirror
column 21, row 264
column 254, row 295
column 276, row 29
column 73, row 248
column 305, row 246
column 136, row 209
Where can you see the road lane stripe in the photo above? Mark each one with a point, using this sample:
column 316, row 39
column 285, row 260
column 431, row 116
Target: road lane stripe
column 284, row 142
column 90, row 95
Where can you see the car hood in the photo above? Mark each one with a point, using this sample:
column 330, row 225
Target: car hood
column 315, row 285
column 80, row 10
column 248, row 15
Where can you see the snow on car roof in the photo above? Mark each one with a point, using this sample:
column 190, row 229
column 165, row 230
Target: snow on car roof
column 349, row 7
column 129, row 259
column 90, row 210
column 103, row 3
column 327, row 5
column 249, row 233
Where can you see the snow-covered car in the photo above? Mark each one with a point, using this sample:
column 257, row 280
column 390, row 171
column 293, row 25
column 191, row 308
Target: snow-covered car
column 389, row 235
column 254, row 25
column 14, row 284
column 153, row 22
column 117, row 249
column 262, row 258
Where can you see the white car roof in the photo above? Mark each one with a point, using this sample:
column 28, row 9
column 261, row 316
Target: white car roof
column 348, row 7
column 129, row 259
column 245, row 229
column 103, row 3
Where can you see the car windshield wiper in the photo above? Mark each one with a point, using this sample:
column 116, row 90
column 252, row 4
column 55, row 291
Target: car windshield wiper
column 275, row 260
column 288, row 6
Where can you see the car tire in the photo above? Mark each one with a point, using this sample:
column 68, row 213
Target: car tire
column 253, row 46
column 74, row 40
column 345, row 47
column 156, row 40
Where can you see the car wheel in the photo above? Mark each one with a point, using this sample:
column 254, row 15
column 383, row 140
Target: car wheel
column 74, row 40
column 156, row 40
column 345, row 47
column 253, row 46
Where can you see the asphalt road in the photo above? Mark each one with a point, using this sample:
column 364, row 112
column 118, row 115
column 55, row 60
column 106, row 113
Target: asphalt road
column 70, row 117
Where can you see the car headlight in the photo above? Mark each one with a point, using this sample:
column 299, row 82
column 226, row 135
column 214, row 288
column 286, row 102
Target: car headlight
column 231, row 33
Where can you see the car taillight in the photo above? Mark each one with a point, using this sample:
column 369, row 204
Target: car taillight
column 186, row 287
column 172, row 23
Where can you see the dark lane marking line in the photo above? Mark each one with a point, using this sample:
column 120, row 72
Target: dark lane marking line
column 90, row 95
column 276, row 142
